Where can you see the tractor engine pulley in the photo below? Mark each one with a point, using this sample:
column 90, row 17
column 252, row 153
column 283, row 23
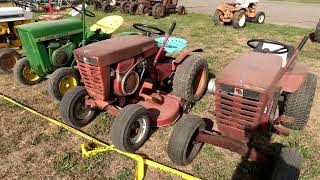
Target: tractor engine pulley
column 127, row 79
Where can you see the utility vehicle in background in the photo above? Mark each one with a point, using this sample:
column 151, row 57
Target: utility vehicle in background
column 133, row 79
column 9, row 38
column 156, row 8
column 259, row 93
column 238, row 12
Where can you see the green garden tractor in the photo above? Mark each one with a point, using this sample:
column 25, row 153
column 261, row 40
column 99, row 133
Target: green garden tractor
column 48, row 46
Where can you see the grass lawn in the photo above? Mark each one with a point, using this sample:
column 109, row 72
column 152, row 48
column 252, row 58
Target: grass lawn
column 32, row 148
column 301, row 1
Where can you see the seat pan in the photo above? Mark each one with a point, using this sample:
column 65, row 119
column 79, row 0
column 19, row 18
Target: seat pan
column 284, row 56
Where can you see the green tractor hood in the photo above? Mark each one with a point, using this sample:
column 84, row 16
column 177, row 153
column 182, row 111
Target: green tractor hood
column 47, row 30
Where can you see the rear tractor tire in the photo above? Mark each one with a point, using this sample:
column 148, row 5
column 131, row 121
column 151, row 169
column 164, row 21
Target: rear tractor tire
column 106, row 7
column 133, row 8
column 260, row 18
column 142, row 10
column 8, row 59
column 73, row 109
column 287, row 165
column 158, row 11
column 131, row 128
column 181, row 10
column 216, row 18
column 61, row 81
column 24, row 74
column 183, row 147
column 298, row 104
column 191, row 78
column 123, row 7
column 239, row 20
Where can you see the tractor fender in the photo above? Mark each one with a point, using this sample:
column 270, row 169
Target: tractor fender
column 184, row 54
column 294, row 78
column 222, row 7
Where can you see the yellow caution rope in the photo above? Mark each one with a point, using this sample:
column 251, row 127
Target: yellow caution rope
column 87, row 151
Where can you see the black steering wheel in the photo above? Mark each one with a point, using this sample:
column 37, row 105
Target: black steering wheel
column 86, row 12
column 257, row 45
column 24, row 3
column 149, row 30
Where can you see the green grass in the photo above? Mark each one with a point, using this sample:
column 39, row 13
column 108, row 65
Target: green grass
column 64, row 162
column 301, row 1
column 124, row 174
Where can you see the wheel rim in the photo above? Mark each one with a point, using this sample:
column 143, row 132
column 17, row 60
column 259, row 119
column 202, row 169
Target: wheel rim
column 160, row 12
column 29, row 75
column 81, row 112
column 67, row 83
column 8, row 61
column 138, row 129
column 199, row 82
column 261, row 19
column 242, row 20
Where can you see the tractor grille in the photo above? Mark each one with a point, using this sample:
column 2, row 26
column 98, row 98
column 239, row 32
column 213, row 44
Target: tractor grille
column 92, row 79
column 237, row 116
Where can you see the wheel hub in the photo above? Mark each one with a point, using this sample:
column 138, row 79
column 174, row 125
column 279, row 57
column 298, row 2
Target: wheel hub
column 28, row 74
column 67, row 83
column 199, row 82
column 138, row 129
column 7, row 62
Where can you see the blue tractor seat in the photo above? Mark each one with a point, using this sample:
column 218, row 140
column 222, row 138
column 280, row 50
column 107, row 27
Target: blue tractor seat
column 173, row 44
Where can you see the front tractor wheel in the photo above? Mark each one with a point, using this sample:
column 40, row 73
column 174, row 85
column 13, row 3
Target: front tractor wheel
column 298, row 104
column 131, row 128
column 216, row 18
column 287, row 165
column 61, row 81
column 260, row 18
column 183, row 146
column 190, row 79
column 239, row 20
column 73, row 109
column 24, row 74
column 8, row 59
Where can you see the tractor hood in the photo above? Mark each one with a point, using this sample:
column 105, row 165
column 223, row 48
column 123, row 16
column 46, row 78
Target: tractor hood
column 117, row 49
column 46, row 30
column 255, row 71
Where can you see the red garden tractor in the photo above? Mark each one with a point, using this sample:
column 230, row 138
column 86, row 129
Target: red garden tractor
column 156, row 8
column 131, row 78
column 261, row 92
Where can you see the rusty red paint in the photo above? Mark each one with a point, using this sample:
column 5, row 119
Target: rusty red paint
column 185, row 53
column 294, row 77
column 231, row 144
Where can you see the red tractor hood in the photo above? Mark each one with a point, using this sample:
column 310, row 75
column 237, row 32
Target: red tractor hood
column 256, row 71
column 116, row 49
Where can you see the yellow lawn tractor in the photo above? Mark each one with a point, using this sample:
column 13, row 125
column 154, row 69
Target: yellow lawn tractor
column 9, row 38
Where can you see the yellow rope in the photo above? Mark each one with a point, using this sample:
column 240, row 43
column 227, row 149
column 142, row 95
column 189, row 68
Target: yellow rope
column 87, row 152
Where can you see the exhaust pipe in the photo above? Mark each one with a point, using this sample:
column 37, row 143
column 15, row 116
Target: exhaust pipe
column 211, row 88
